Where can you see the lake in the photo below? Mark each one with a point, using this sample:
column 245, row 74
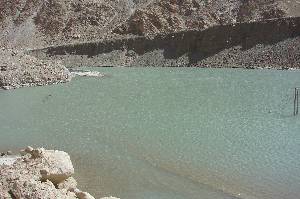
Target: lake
column 170, row 133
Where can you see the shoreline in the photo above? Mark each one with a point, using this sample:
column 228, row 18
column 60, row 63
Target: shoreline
column 97, row 74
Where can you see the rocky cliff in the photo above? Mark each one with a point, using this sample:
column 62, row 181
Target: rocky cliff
column 180, row 15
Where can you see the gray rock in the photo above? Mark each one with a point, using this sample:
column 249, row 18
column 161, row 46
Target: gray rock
column 8, row 160
column 68, row 184
column 84, row 195
column 60, row 166
column 21, row 176
column 28, row 149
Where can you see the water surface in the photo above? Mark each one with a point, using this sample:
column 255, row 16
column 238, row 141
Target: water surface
column 168, row 133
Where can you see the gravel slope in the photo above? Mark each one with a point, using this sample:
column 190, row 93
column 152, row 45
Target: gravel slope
column 18, row 70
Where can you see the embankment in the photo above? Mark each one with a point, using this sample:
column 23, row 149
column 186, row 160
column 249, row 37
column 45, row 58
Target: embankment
column 265, row 44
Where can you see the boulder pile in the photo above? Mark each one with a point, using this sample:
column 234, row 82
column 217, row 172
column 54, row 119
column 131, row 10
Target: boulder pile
column 18, row 69
column 39, row 173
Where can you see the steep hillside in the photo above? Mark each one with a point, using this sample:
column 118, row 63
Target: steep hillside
column 36, row 23
column 165, row 16
column 39, row 23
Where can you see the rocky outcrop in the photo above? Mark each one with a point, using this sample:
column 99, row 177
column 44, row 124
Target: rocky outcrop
column 18, row 70
column 39, row 173
column 273, row 43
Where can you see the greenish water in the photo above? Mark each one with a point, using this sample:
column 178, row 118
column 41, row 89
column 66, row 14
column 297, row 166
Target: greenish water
column 167, row 132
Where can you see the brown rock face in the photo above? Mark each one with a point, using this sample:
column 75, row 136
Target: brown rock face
column 165, row 16
column 168, row 16
column 88, row 15
column 260, row 10
column 39, row 23
column 32, row 23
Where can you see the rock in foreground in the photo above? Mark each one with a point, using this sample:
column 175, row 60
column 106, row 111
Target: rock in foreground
column 39, row 173
column 18, row 70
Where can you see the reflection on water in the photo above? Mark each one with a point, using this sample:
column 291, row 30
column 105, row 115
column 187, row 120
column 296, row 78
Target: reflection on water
column 167, row 133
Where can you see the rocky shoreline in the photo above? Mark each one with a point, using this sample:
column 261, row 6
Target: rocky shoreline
column 18, row 69
column 39, row 173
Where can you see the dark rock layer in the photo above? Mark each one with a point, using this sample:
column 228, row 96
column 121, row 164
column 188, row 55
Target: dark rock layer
column 272, row 43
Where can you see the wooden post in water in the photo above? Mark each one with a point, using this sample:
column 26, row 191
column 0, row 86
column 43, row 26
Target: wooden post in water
column 296, row 102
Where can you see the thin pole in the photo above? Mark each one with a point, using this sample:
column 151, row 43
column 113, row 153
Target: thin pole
column 297, row 111
column 295, row 102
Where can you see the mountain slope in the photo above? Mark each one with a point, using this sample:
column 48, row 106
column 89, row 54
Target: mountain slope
column 39, row 23
column 178, row 15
